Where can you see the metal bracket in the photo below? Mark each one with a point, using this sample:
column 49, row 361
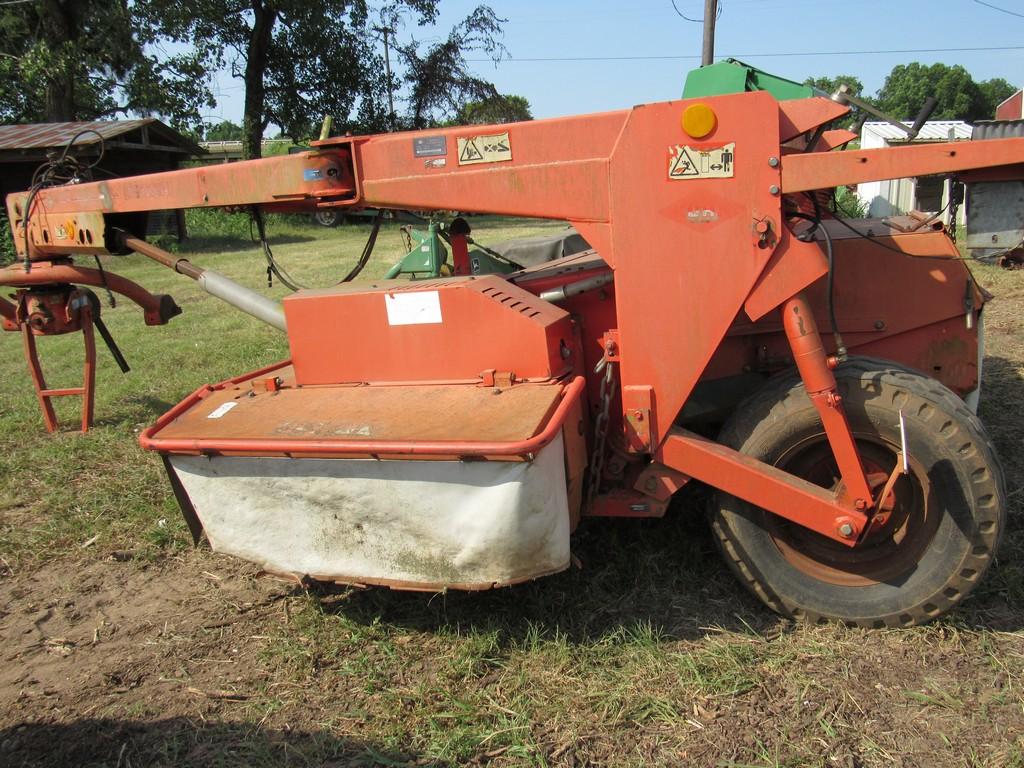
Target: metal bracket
column 610, row 346
column 638, row 410
column 500, row 379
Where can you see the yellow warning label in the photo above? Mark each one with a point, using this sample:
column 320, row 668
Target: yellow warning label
column 484, row 149
column 686, row 162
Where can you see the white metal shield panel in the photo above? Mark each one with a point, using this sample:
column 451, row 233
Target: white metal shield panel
column 430, row 523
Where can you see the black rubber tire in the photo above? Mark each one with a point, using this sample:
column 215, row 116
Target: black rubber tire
column 328, row 217
column 951, row 454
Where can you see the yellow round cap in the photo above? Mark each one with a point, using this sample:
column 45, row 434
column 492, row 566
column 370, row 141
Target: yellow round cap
column 699, row 120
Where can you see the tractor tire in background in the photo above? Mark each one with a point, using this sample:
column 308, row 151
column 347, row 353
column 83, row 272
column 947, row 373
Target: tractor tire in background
column 947, row 513
column 328, row 217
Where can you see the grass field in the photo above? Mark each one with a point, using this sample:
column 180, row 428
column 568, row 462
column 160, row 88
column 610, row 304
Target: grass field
column 123, row 645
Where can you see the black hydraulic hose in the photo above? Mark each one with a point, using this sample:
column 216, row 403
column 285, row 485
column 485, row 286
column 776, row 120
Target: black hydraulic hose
column 367, row 249
column 830, row 277
column 273, row 268
column 830, row 280
column 61, row 170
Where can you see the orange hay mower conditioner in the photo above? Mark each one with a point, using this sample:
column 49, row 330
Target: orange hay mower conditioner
column 698, row 340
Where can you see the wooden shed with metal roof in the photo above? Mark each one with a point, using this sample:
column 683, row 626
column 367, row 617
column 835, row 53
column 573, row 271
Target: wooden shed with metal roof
column 128, row 148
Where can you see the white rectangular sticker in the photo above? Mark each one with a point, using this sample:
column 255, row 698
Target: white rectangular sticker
column 484, row 149
column 686, row 162
column 220, row 410
column 413, row 308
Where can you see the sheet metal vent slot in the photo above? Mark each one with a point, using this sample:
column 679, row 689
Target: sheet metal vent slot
column 513, row 302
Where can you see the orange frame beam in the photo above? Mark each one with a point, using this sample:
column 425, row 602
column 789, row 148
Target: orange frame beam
column 751, row 480
column 816, row 170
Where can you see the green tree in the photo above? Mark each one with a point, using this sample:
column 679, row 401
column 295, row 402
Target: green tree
column 302, row 59
column 996, row 91
column 223, row 131
column 63, row 60
column 829, row 85
column 909, row 85
column 439, row 78
column 500, row 109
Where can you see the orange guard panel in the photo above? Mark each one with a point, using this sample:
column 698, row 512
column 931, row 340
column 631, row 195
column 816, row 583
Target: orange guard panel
column 450, row 329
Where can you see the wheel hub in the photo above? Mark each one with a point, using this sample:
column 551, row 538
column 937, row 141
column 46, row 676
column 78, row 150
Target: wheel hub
column 900, row 529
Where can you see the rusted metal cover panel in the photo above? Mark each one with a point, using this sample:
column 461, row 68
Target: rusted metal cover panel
column 995, row 217
column 452, row 412
column 451, row 329
column 995, row 209
column 997, row 129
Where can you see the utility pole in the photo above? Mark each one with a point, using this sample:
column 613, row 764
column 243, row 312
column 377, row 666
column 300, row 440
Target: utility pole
column 710, row 12
column 387, row 68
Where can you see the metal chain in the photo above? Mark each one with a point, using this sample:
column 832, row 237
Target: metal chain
column 601, row 428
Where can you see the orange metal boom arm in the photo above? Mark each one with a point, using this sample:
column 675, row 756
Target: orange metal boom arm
column 72, row 219
column 805, row 172
column 306, row 176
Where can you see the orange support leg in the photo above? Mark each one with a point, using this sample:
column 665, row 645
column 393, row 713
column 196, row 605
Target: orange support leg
column 89, row 370
column 88, row 389
column 38, row 381
column 816, row 372
column 8, row 315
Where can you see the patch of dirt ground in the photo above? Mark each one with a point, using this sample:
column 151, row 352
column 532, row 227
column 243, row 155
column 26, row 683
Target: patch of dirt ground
column 198, row 660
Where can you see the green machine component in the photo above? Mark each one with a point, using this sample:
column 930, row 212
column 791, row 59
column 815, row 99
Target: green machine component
column 428, row 257
column 732, row 76
column 483, row 261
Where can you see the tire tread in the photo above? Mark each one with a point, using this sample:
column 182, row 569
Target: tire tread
column 965, row 433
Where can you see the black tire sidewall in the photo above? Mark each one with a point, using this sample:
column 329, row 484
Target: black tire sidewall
column 332, row 221
column 871, row 408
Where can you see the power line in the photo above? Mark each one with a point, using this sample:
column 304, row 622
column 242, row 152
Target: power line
column 684, row 16
column 674, row 57
column 675, row 7
column 1001, row 10
column 17, row 2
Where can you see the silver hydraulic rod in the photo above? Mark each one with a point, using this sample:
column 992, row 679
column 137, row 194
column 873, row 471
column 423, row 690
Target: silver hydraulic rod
column 240, row 297
column 564, row 292
column 215, row 284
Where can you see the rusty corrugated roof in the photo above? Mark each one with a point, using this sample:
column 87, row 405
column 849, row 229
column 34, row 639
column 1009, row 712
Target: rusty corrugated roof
column 49, row 135
column 998, row 129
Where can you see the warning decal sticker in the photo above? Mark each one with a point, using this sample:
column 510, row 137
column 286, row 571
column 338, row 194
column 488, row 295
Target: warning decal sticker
column 692, row 163
column 484, row 149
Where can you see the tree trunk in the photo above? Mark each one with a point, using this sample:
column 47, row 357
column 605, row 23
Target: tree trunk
column 255, row 67
column 60, row 29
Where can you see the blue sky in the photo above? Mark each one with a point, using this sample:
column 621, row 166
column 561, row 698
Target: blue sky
column 602, row 28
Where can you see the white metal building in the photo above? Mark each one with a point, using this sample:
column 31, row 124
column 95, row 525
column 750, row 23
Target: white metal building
column 924, row 193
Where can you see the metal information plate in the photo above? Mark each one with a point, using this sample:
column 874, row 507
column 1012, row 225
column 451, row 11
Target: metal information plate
column 429, row 146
